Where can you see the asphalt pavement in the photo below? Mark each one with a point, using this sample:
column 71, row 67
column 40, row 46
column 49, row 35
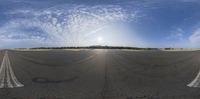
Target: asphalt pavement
column 103, row 74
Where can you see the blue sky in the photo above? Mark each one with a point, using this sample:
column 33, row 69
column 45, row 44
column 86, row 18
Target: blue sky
column 138, row 23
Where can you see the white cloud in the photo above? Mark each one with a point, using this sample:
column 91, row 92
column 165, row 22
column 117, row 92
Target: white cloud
column 195, row 37
column 62, row 26
column 176, row 34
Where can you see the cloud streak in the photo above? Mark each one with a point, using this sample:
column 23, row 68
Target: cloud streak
column 66, row 25
column 195, row 38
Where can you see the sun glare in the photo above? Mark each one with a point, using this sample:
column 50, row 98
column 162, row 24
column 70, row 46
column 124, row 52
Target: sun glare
column 99, row 39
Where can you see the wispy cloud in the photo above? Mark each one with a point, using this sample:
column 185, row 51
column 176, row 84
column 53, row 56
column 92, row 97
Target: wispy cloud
column 176, row 34
column 64, row 25
column 195, row 38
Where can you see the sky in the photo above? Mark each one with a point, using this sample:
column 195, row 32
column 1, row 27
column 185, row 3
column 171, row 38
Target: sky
column 134, row 23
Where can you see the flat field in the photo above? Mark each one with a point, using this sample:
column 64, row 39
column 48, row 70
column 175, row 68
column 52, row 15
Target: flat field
column 103, row 74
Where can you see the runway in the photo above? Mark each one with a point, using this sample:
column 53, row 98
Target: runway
column 103, row 74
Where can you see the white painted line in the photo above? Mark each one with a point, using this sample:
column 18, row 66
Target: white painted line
column 195, row 82
column 7, row 76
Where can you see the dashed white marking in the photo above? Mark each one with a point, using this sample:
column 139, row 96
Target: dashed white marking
column 7, row 76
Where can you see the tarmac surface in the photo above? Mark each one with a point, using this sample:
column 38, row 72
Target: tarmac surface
column 103, row 74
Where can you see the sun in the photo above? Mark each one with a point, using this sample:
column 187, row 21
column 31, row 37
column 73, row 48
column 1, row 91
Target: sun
column 99, row 39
